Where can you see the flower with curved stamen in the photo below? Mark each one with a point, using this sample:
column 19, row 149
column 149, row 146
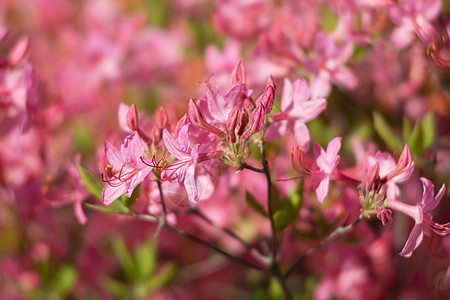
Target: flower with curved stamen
column 421, row 213
column 132, row 170
column 184, row 169
column 296, row 111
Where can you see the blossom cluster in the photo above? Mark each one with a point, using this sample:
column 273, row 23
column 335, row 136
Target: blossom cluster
column 190, row 149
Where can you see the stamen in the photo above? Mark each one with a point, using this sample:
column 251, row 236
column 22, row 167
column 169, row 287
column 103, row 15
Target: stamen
column 440, row 229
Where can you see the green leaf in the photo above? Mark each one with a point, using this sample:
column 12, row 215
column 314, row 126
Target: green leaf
column 109, row 209
column 65, row 279
column 328, row 20
column 275, row 290
column 406, row 129
column 125, row 258
column 164, row 276
column 145, row 259
column 385, row 132
column 282, row 219
column 127, row 202
column 91, row 181
column 117, row 288
column 428, row 130
column 255, row 204
column 415, row 139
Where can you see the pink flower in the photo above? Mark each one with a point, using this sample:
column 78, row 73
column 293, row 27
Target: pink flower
column 326, row 162
column 132, row 169
column 329, row 67
column 296, row 111
column 421, row 215
column 414, row 16
column 184, row 170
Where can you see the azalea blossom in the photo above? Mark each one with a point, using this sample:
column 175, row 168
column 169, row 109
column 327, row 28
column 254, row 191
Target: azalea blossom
column 184, row 169
column 326, row 162
column 131, row 168
column 421, row 213
column 296, row 109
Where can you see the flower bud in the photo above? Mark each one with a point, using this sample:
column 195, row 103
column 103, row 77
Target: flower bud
column 183, row 121
column 132, row 118
column 238, row 74
column 385, row 215
column 232, row 122
column 268, row 97
column 243, row 122
column 19, row 53
column 373, row 177
column 163, row 118
column 198, row 119
column 257, row 122
column 156, row 133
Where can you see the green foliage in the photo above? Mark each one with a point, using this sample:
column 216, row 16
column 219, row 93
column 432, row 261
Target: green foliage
column 251, row 200
column 275, row 290
column 288, row 208
column 385, row 132
column 422, row 136
column 91, row 181
column 158, row 12
column 139, row 268
column 116, row 207
column 328, row 20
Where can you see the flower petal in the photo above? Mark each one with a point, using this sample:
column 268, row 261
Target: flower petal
column 414, row 240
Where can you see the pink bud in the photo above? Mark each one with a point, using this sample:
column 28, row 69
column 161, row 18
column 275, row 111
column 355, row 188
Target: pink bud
column 238, row 74
column 257, row 122
column 405, row 164
column 197, row 119
column 385, row 215
column 268, row 97
column 19, row 53
column 243, row 122
column 373, row 177
column 183, row 121
column 232, row 122
column 132, row 118
column 163, row 118
column 156, row 133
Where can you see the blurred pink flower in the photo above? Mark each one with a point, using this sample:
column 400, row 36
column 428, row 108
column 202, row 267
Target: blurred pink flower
column 132, row 168
column 421, row 213
column 296, row 109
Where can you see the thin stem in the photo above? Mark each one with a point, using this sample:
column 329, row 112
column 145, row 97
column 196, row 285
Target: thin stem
column 246, row 166
column 212, row 247
column 225, row 230
column 336, row 233
column 266, row 169
column 162, row 199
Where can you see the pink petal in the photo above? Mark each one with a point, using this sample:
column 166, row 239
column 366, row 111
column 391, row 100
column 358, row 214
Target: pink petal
column 276, row 130
column 414, row 240
column 114, row 156
column 300, row 91
column 190, row 185
column 286, row 97
column 322, row 189
column 173, row 146
column 132, row 148
column 301, row 134
column 111, row 193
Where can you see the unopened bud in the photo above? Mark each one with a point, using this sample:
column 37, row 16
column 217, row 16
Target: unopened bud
column 257, row 122
column 243, row 122
column 238, row 74
column 385, row 215
column 373, row 177
column 156, row 133
column 232, row 122
column 183, row 121
column 268, row 97
column 132, row 118
column 197, row 119
column 19, row 53
column 163, row 118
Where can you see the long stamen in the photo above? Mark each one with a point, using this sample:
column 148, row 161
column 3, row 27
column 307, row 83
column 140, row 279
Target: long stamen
column 441, row 229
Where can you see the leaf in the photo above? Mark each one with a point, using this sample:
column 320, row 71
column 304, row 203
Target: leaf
column 428, row 130
column 275, row 290
column 117, row 288
column 91, row 181
column 415, row 139
column 406, row 129
column 282, row 219
column 109, row 209
column 145, row 259
column 385, row 132
column 255, row 204
column 163, row 277
column 125, row 258
column 65, row 280
column 127, row 202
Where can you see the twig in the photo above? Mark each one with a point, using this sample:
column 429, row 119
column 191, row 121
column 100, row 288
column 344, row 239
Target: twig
column 336, row 233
